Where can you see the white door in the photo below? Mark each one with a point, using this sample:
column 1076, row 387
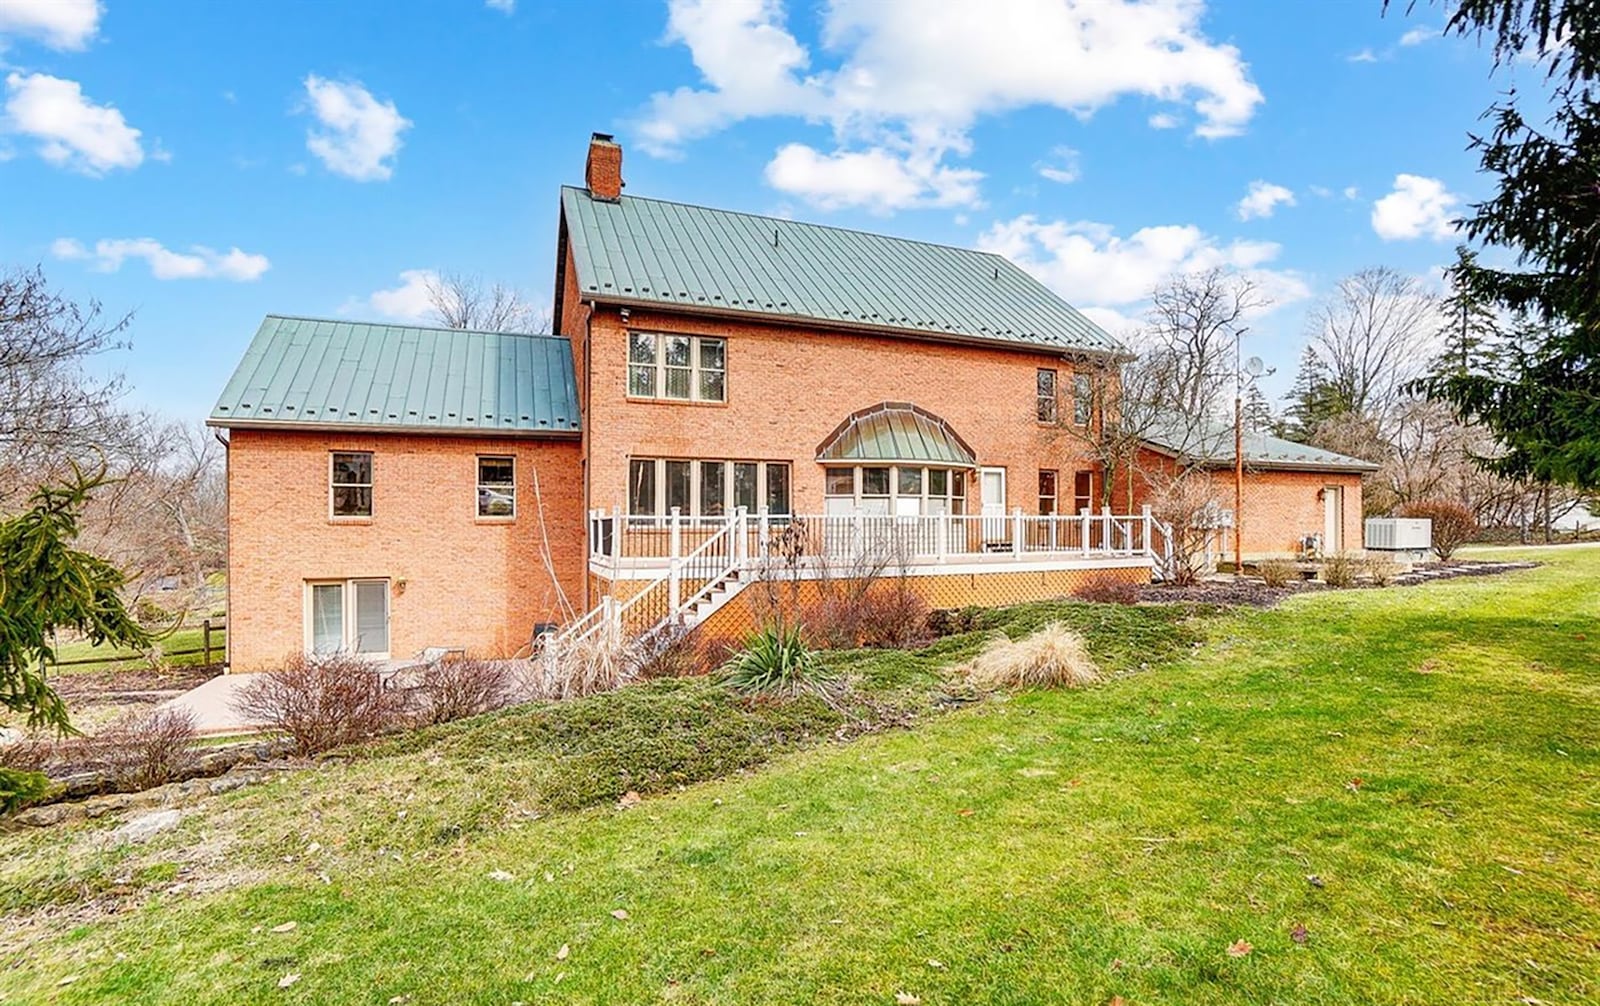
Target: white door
column 992, row 489
column 1332, row 520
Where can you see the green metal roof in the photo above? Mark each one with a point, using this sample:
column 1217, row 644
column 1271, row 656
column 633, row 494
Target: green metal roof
column 1211, row 444
column 308, row 372
column 646, row 251
column 896, row 432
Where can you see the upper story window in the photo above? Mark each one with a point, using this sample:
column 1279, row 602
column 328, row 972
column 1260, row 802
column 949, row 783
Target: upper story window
column 1082, row 400
column 688, row 368
column 350, row 483
column 1046, row 393
column 497, row 487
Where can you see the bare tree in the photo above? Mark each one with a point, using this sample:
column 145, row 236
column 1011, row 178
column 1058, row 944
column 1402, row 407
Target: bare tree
column 53, row 413
column 1374, row 335
column 462, row 301
column 1194, row 322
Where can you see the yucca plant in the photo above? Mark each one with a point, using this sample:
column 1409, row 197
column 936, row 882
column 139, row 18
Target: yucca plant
column 776, row 661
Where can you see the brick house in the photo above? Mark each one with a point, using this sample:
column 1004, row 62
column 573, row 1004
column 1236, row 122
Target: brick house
column 720, row 387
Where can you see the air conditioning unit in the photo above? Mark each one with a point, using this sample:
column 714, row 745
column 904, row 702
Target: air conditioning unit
column 1411, row 535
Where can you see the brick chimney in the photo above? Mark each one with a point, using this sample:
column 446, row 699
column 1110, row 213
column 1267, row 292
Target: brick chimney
column 603, row 171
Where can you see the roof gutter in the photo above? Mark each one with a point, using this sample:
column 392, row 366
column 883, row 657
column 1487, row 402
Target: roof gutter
column 1119, row 354
column 436, row 431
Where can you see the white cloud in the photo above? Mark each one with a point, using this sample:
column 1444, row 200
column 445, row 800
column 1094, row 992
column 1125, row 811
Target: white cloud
column 914, row 78
column 503, row 6
column 1364, row 56
column 1262, row 200
column 72, row 131
column 1417, row 36
column 360, row 135
column 1351, row 192
column 59, row 24
column 1164, row 120
column 1089, row 265
column 199, row 262
column 1062, row 167
column 1320, row 191
column 407, row 302
column 877, row 179
column 1419, row 207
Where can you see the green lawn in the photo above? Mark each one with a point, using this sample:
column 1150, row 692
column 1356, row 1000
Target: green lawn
column 1430, row 756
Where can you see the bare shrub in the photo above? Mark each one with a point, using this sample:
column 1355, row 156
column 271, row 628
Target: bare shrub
column 141, row 752
column 1054, row 656
column 599, row 662
column 672, row 652
column 321, row 703
column 1341, row 570
column 1382, row 569
column 885, row 614
column 455, row 689
column 1278, row 572
column 1104, row 589
column 1453, row 524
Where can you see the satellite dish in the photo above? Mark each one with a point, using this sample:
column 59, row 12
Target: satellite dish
column 1254, row 367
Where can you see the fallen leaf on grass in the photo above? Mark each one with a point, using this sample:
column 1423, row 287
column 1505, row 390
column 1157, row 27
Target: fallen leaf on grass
column 620, row 914
column 287, row 927
column 1298, row 933
column 1354, row 785
column 1239, row 948
column 935, row 964
column 67, row 980
column 288, row 980
column 1315, row 881
column 630, row 799
column 398, row 1000
column 561, row 954
column 966, row 812
column 1117, row 1001
column 501, row 876
column 906, row 999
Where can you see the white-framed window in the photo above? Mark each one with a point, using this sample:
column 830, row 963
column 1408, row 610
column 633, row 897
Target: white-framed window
column 497, row 486
column 1082, row 400
column 905, row 490
column 348, row 616
column 1045, row 395
column 706, row 487
column 687, row 368
column 350, row 484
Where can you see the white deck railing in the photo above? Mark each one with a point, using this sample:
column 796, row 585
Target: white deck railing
column 619, row 542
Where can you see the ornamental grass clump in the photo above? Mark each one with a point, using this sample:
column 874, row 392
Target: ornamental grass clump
column 777, row 662
column 1053, row 657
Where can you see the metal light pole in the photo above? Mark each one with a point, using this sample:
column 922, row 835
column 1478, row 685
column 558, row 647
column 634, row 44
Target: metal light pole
column 1243, row 376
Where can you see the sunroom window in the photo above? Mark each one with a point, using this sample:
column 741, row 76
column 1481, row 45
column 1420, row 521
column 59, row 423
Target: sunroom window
column 904, row 490
column 704, row 487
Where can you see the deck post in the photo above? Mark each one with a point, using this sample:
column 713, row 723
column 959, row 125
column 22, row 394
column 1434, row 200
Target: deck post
column 741, row 543
column 1108, row 529
column 616, row 536
column 1083, row 515
column 764, row 532
column 1016, row 531
column 941, row 538
column 1144, row 512
column 674, row 572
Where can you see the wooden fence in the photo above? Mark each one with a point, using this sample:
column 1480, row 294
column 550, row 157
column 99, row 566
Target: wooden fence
column 209, row 648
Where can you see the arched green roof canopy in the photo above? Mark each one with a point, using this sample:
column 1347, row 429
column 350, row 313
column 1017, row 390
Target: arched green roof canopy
column 896, row 433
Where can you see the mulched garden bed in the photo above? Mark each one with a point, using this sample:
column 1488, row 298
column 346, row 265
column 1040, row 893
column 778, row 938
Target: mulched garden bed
column 1253, row 592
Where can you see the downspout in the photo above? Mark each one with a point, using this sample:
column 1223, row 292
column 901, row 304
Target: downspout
column 588, row 446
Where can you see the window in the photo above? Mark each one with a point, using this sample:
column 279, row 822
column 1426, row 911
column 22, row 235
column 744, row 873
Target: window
column 350, row 483
column 903, row 490
column 1082, row 492
column 1047, row 492
column 348, row 616
column 688, row 368
column 1046, row 391
column 497, row 487
column 1082, row 400
column 704, row 488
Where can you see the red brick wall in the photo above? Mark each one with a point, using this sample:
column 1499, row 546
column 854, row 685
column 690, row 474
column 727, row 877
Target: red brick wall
column 456, row 580
column 788, row 387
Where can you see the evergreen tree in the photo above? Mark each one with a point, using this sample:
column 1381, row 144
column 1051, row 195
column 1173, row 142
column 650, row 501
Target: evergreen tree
column 1257, row 411
column 1312, row 399
column 1544, row 408
column 1470, row 333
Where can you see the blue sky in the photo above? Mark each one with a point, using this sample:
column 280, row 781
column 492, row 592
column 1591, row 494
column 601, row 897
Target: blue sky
column 202, row 164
